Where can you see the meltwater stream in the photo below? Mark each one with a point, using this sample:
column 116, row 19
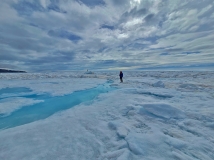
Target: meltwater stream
column 49, row 106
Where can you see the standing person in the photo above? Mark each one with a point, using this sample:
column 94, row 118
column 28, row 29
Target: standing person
column 121, row 76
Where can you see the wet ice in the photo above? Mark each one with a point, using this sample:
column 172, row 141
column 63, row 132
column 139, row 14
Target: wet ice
column 47, row 106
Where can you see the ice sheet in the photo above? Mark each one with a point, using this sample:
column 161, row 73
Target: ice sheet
column 53, row 86
column 137, row 121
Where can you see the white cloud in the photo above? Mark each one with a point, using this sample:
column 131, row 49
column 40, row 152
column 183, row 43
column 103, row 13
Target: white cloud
column 204, row 10
column 45, row 3
column 134, row 28
column 132, row 23
column 121, row 36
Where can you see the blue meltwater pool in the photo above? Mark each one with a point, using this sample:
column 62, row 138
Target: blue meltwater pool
column 49, row 106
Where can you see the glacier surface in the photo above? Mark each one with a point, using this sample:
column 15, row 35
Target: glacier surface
column 152, row 115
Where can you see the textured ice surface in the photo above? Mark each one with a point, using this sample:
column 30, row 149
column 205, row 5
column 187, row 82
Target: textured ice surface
column 161, row 111
column 137, row 121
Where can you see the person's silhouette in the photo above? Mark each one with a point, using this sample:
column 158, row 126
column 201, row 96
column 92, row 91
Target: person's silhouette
column 121, row 76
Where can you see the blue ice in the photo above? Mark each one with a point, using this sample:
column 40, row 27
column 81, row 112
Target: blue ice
column 49, row 106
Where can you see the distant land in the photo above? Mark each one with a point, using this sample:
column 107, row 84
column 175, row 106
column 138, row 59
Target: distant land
column 10, row 71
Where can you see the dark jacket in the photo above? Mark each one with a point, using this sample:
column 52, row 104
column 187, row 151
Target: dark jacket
column 121, row 75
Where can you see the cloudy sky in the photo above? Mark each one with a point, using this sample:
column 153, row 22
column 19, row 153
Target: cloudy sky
column 52, row 35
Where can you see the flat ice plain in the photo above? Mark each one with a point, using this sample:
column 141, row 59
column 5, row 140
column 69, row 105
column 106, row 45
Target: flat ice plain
column 152, row 115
